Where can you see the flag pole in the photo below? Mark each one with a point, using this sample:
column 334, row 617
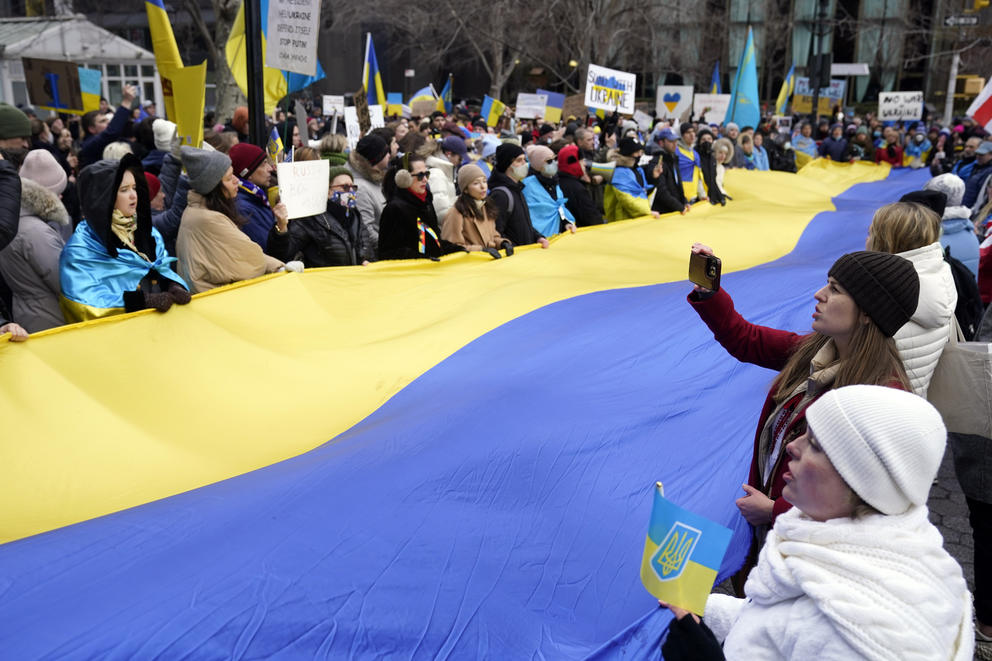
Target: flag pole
column 255, row 74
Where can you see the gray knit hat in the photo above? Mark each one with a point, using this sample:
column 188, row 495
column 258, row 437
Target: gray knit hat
column 886, row 443
column 205, row 168
column 885, row 286
column 13, row 123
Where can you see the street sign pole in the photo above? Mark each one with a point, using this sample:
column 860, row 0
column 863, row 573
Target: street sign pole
column 253, row 57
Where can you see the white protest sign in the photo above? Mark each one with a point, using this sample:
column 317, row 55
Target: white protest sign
column 377, row 117
column 352, row 127
column 292, row 35
column 609, row 89
column 333, row 104
column 643, row 120
column 900, row 105
column 713, row 106
column 530, row 106
column 303, row 187
column 673, row 101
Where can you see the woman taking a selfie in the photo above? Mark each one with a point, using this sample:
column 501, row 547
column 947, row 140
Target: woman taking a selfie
column 867, row 298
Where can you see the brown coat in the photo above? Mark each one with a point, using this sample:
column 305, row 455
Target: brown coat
column 470, row 233
column 213, row 252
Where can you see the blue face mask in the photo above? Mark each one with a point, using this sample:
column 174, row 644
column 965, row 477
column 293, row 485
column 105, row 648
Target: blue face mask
column 877, row 134
column 344, row 198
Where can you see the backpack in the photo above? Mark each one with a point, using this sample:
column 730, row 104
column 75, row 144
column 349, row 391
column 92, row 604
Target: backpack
column 969, row 308
column 509, row 198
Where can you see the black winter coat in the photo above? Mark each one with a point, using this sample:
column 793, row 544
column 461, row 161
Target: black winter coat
column 332, row 238
column 515, row 226
column 669, row 195
column 399, row 235
column 579, row 201
column 708, row 165
column 10, row 202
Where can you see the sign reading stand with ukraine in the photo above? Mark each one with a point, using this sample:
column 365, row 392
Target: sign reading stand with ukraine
column 682, row 554
column 609, row 89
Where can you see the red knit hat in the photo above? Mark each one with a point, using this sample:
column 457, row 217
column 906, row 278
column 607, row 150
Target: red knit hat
column 154, row 185
column 568, row 161
column 245, row 158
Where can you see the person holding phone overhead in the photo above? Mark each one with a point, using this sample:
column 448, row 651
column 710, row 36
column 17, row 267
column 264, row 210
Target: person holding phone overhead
column 867, row 298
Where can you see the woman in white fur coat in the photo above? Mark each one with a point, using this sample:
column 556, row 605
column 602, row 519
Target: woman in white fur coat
column 855, row 570
column 911, row 230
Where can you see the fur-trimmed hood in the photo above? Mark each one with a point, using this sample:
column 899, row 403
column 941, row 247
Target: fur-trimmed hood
column 36, row 200
column 361, row 167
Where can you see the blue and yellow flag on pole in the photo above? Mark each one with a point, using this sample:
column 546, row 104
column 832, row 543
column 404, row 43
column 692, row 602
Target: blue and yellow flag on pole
column 788, row 86
column 444, row 99
column 167, row 56
column 492, row 110
column 371, row 78
column 715, row 87
column 682, row 554
column 745, row 108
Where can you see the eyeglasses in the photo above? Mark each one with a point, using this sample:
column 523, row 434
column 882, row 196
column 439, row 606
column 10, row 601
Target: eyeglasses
column 346, row 188
column 421, row 175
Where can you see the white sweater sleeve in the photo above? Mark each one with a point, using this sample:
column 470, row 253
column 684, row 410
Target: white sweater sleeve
column 721, row 613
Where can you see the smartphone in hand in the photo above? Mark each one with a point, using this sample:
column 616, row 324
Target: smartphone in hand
column 704, row 270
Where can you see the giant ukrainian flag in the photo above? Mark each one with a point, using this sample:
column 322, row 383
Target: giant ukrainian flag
column 426, row 460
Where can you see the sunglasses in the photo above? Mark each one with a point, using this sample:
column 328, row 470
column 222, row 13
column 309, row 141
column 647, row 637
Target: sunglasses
column 346, row 188
column 420, row 175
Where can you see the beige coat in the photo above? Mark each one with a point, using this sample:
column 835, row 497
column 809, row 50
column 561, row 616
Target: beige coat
column 213, row 252
column 470, row 233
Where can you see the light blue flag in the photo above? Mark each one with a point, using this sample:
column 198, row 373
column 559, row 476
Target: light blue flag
column 745, row 108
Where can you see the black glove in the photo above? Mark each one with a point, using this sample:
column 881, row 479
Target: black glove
column 492, row 251
column 723, row 202
column 507, row 245
column 161, row 301
column 179, row 294
column 688, row 639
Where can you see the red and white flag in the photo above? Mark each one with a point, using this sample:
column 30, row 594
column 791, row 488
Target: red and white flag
column 981, row 108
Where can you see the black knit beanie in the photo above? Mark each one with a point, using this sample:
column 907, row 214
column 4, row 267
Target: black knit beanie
column 885, row 286
column 506, row 153
column 372, row 148
column 931, row 199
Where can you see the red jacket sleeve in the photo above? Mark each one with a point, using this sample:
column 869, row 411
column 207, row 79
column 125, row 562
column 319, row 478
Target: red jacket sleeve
column 747, row 342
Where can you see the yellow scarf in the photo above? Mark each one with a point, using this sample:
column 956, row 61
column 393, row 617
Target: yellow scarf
column 123, row 228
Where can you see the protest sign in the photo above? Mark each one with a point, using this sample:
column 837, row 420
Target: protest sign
column 377, row 118
column 673, row 100
column 394, row 104
column 362, row 108
column 530, row 106
column 333, row 104
column 352, row 126
column 293, row 26
column 830, row 96
column 643, row 120
column 303, row 187
column 783, row 124
column 302, row 120
column 422, row 107
column 53, row 84
column 711, row 106
column 574, row 106
column 609, row 89
column 894, row 106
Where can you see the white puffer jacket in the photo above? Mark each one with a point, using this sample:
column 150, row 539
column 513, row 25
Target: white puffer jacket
column 442, row 183
column 922, row 339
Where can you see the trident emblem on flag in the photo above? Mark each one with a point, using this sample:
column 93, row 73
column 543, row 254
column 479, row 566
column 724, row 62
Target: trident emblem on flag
column 675, row 550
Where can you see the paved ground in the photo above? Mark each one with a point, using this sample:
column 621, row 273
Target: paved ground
column 949, row 513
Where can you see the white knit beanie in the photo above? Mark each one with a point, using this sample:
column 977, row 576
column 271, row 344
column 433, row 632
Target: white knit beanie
column 950, row 185
column 163, row 131
column 886, row 443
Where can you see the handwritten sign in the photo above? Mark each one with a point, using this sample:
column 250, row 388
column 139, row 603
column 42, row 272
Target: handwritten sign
column 292, row 35
column 609, row 89
column 53, row 84
column 673, row 101
column 333, row 105
column 894, row 106
column 530, row 106
column 303, row 187
column 352, row 126
column 711, row 106
column 830, row 96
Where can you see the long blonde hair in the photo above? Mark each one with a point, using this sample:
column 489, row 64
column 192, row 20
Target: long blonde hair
column 903, row 226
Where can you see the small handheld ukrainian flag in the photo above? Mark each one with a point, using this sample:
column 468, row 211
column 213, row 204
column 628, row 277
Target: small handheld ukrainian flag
column 492, row 110
column 682, row 554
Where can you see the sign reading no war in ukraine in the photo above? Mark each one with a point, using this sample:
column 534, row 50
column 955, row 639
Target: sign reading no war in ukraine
column 610, row 89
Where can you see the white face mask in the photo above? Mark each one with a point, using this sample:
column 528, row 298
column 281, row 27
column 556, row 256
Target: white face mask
column 519, row 172
column 550, row 170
